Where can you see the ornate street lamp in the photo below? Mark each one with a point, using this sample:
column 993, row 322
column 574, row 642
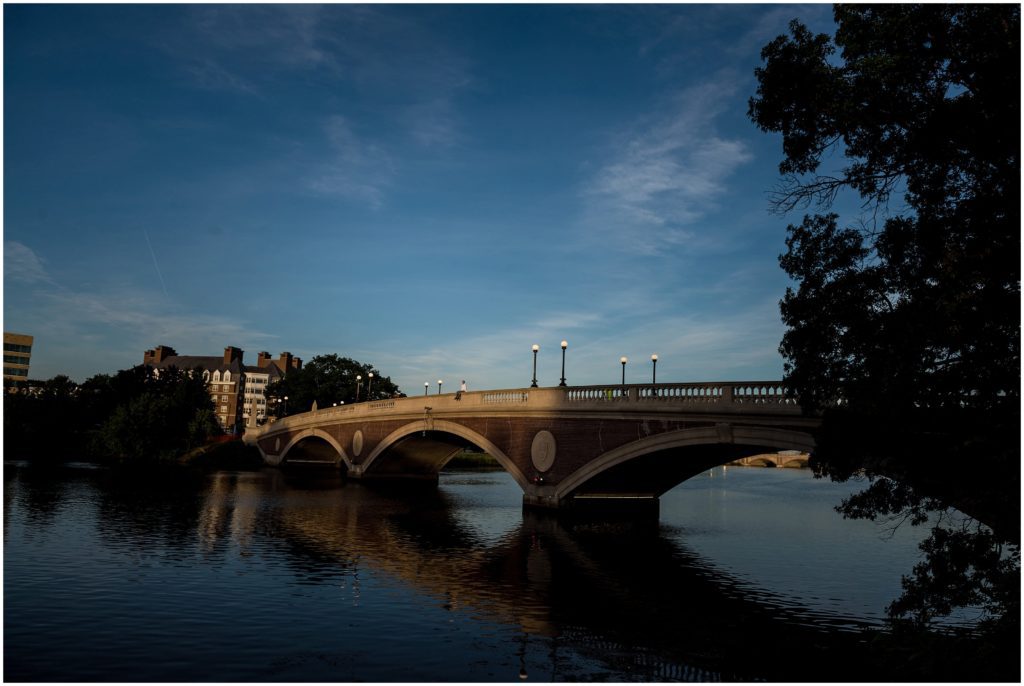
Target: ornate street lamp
column 369, row 385
column 439, row 382
column 654, row 369
column 535, row 349
column 565, row 345
column 286, row 406
column 426, row 385
column 623, row 360
column 359, row 384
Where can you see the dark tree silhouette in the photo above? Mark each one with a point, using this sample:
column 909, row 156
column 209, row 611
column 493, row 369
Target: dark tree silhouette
column 330, row 379
column 904, row 327
column 134, row 417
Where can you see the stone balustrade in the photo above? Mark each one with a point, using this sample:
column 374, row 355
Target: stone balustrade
column 712, row 397
column 502, row 397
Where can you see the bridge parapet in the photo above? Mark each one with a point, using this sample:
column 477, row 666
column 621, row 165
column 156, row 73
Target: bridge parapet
column 502, row 397
column 733, row 397
column 721, row 394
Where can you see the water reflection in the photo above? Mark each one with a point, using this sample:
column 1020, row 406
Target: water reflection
column 360, row 583
column 618, row 591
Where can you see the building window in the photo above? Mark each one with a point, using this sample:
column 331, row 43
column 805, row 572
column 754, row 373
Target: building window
column 216, row 376
column 17, row 348
column 14, row 371
column 17, row 359
column 227, row 376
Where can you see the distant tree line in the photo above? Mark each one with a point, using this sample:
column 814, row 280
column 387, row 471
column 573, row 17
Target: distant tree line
column 139, row 417
column 328, row 380
column 132, row 417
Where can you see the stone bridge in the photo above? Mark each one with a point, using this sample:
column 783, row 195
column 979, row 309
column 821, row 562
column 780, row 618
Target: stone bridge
column 566, row 447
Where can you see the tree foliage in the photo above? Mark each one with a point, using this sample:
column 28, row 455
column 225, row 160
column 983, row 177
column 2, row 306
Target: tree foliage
column 132, row 417
column 330, row 379
column 904, row 326
column 172, row 414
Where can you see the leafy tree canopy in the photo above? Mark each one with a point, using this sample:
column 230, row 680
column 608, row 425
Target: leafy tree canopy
column 330, row 379
column 132, row 417
column 167, row 416
column 904, row 327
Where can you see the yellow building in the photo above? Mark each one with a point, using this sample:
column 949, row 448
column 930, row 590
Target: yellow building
column 17, row 355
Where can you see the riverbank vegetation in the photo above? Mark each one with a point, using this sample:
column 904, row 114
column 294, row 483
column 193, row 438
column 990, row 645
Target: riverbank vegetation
column 134, row 418
column 903, row 328
column 472, row 459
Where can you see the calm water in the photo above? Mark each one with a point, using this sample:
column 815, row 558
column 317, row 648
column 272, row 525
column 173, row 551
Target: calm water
column 270, row 576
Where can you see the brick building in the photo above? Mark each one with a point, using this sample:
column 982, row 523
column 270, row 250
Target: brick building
column 238, row 391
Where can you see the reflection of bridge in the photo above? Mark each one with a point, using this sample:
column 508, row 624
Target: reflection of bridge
column 622, row 594
column 565, row 447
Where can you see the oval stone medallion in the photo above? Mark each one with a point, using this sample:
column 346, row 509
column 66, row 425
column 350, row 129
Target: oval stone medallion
column 542, row 452
column 357, row 443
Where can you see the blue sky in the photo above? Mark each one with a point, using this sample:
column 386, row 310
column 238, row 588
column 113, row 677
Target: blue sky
column 430, row 189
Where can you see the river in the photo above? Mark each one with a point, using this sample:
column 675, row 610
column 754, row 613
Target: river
column 275, row 576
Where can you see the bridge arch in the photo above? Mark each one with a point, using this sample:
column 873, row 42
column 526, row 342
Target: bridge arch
column 444, row 426
column 721, row 435
column 314, row 433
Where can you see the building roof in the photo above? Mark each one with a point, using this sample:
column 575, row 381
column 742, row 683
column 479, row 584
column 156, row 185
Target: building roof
column 210, row 363
column 271, row 370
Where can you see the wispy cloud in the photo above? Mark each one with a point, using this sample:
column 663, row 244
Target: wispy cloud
column 21, row 264
column 79, row 328
column 775, row 21
column 666, row 173
column 707, row 345
column 433, row 123
column 356, row 169
column 211, row 75
column 252, row 49
column 275, row 36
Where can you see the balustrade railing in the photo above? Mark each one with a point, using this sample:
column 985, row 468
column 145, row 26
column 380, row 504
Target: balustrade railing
column 712, row 396
column 596, row 393
column 684, row 392
column 496, row 397
column 687, row 392
column 762, row 393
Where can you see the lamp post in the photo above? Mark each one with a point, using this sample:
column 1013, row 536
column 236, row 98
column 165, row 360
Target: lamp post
column 535, row 349
column 654, row 369
column 439, row 382
column 369, row 385
column 426, row 385
column 565, row 344
column 623, row 360
column 359, row 384
column 286, row 406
